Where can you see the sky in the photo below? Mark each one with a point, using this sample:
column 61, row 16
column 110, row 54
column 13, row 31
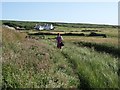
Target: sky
column 60, row 0
column 71, row 12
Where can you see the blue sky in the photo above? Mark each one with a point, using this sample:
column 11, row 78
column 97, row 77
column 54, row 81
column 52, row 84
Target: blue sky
column 77, row 12
column 59, row 0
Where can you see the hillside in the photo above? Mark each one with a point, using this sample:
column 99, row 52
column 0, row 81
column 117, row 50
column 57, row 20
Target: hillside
column 32, row 63
column 37, row 63
column 30, row 25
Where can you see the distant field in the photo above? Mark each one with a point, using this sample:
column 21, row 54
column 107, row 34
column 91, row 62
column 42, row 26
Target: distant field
column 112, row 36
column 111, row 32
column 34, row 61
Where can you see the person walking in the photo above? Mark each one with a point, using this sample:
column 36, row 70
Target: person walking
column 59, row 41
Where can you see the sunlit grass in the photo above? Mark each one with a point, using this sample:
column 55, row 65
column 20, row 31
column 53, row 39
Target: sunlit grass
column 94, row 69
column 111, row 41
column 31, row 63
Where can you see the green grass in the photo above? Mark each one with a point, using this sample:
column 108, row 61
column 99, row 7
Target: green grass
column 38, row 63
column 34, row 64
column 104, row 47
column 94, row 69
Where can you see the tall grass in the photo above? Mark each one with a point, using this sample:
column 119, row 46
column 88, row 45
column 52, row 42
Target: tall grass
column 95, row 70
column 114, row 50
column 30, row 63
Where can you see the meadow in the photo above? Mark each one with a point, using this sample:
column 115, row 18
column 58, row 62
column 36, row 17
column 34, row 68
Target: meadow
column 84, row 62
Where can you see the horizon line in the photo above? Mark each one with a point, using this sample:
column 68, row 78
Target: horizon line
column 60, row 22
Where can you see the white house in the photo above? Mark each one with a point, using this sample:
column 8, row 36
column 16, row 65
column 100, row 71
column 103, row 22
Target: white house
column 44, row 27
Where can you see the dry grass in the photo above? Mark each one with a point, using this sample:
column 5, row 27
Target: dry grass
column 111, row 32
column 113, row 41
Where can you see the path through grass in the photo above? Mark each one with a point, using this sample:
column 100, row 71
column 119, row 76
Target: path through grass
column 95, row 70
column 31, row 63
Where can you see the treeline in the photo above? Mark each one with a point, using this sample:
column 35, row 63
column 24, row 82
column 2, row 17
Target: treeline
column 30, row 25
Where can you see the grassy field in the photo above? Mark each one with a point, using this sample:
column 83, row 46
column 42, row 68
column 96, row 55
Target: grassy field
column 38, row 63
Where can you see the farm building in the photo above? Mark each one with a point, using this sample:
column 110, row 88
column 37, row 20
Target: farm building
column 44, row 27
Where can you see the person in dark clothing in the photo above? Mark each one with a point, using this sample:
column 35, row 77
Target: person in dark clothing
column 59, row 41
